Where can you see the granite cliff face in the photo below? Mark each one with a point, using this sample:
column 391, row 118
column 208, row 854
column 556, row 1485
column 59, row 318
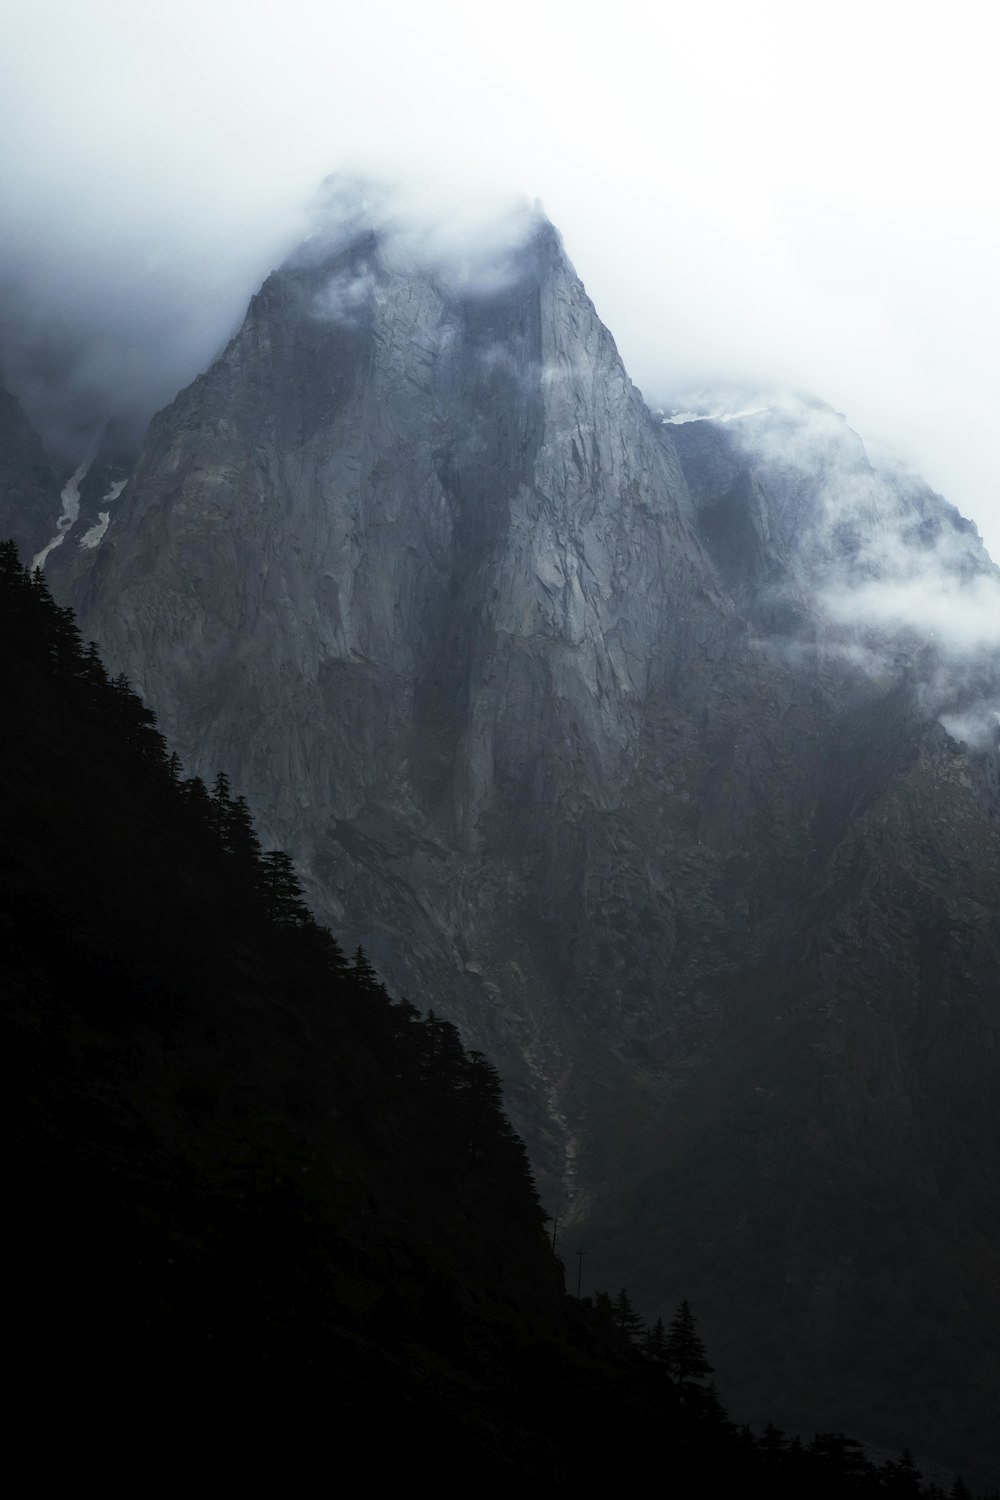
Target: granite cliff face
column 593, row 729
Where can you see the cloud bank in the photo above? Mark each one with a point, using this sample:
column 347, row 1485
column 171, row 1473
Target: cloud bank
column 899, row 580
column 770, row 194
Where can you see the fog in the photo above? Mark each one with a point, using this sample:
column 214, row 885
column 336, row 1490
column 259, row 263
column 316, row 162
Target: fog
column 769, row 195
column 895, row 577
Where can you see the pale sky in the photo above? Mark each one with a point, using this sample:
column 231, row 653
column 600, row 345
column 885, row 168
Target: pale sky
column 777, row 193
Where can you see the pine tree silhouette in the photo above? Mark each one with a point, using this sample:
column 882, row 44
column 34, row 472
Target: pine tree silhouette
column 626, row 1318
column 281, row 890
column 685, row 1353
column 656, row 1341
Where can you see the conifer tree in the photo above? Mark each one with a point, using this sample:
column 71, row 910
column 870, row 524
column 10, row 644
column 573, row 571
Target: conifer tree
column 11, row 572
column 796, row 1456
column 708, row 1404
column 626, row 1318
column 92, row 677
column 449, row 1064
column 483, row 1104
column 134, row 721
column 239, row 836
column 407, row 1029
column 901, row 1479
column 324, row 945
column 362, row 967
column 685, row 1353
column 840, row 1456
column 221, row 790
column 16, row 603
column 196, row 802
column 363, row 971
column 281, row 890
column 656, row 1341
column 772, row 1442
column 603, row 1308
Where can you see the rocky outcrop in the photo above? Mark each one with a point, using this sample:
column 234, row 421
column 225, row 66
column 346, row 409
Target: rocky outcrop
column 562, row 713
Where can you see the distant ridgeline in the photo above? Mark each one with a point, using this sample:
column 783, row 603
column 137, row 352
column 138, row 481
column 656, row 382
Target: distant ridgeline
column 240, row 1174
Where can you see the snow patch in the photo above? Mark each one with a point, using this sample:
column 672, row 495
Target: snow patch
column 95, row 534
column 680, row 417
column 70, row 497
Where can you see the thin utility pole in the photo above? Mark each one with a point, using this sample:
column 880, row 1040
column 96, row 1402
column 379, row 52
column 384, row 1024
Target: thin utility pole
column 555, row 1230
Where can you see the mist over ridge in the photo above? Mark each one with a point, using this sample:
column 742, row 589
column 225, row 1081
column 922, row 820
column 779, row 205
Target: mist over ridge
column 116, row 341
column 886, row 565
column 732, row 220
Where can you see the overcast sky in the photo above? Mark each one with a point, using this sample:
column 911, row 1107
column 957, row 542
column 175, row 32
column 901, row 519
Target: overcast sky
column 769, row 193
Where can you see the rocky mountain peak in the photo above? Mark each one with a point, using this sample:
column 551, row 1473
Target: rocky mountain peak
column 616, row 741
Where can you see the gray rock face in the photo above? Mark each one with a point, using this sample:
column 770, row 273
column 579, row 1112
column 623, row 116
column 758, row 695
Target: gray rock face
column 398, row 562
column 564, row 716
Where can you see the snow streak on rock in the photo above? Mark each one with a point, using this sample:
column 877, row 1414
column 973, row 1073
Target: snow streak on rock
column 94, row 534
column 679, row 418
column 70, row 497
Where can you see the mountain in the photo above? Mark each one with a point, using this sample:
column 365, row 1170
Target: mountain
column 624, row 737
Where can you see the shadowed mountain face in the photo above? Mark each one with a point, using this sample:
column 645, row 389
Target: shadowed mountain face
column 601, row 731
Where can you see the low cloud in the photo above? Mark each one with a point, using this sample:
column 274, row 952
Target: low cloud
column 730, row 220
column 344, row 297
column 85, row 337
column 470, row 243
column 899, row 578
column 978, row 728
column 959, row 618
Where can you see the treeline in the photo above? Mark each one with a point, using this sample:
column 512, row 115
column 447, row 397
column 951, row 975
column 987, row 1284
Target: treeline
column 831, row 1464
